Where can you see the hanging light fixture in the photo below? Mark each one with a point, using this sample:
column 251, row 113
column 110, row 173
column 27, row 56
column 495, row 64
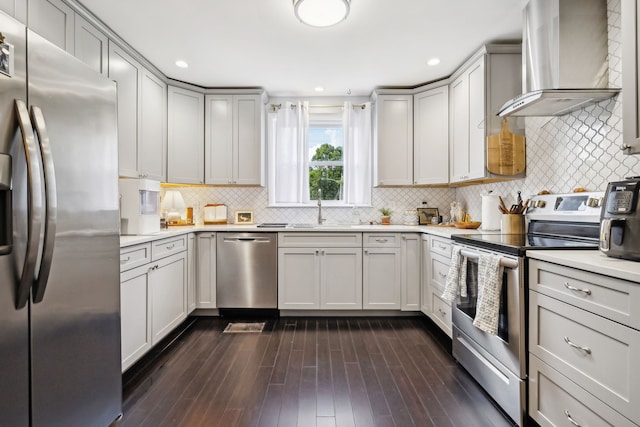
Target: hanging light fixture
column 321, row 13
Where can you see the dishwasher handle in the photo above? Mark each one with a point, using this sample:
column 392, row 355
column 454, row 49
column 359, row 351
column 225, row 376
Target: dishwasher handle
column 247, row 239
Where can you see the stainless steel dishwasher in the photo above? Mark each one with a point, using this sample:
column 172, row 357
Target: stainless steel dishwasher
column 247, row 270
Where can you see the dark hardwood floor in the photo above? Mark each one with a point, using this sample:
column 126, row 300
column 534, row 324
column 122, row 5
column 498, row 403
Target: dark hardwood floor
column 307, row 372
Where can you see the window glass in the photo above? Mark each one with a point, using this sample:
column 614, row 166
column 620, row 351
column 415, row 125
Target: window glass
column 326, row 159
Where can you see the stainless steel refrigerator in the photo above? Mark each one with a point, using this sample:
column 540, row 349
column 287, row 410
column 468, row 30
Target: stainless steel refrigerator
column 59, row 243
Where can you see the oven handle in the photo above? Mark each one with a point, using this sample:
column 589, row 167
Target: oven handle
column 505, row 262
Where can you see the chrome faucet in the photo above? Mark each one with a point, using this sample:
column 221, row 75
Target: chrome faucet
column 320, row 219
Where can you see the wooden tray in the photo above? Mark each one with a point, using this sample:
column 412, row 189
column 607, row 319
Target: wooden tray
column 468, row 225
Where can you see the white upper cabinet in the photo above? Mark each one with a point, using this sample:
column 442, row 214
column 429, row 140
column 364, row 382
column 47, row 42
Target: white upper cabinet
column 234, row 142
column 54, row 21
column 142, row 117
column 630, row 13
column 15, row 8
column 125, row 71
column 478, row 90
column 393, row 140
column 431, row 136
column 152, row 145
column 91, row 45
column 186, row 137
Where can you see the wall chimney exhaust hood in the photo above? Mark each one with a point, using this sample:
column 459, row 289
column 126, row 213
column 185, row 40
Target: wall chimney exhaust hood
column 564, row 58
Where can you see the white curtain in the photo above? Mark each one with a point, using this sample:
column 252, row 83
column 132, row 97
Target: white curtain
column 356, row 123
column 287, row 151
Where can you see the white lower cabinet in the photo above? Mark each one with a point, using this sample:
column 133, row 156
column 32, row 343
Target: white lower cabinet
column 410, row 289
column 435, row 268
column 167, row 283
column 425, row 260
column 320, row 271
column 583, row 348
column 192, row 279
column 135, row 315
column 206, row 276
column 381, row 278
column 153, row 295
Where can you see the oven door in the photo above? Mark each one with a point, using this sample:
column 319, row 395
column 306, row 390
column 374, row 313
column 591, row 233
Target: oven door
column 508, row 347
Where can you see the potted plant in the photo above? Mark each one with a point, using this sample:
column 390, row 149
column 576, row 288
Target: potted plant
column 386, row 216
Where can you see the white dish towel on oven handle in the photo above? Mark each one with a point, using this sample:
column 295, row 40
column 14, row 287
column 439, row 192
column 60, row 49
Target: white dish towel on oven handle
column 489, row 288
column 456, row 282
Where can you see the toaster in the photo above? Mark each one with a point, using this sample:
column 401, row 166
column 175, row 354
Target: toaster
column 215, row 213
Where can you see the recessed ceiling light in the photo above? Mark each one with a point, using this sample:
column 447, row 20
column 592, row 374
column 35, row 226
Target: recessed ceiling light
column 433, row 61
column 319, row 89
column 321, row 13
column 182, row 64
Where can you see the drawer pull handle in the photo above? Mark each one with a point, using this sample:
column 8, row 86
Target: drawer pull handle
column 443, row 247
column 381, row 240
column 125, row 260
column 587, row 350
column 171, row 246
column 441, row 274
column 573, row 288
column 442, row 312
column 571, row 420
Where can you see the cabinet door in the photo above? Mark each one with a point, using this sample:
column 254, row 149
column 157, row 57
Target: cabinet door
column 54, row 21
column 477, row 115
column 206, row 292
column 15, row 8
column 410, row 272
column 341, row 278
column 298, row 278
column 630, row 15
column 186, row 137
column 393, row 153
column 381, row 278
column 125, row 71
column 167, row 283
column 431, row 136
column 135, row 315
column 247, row 140
column 152, row 145
column 91, row 46
column 425, row 295
column 191, row 272
column 459, row 130
column 218, row 139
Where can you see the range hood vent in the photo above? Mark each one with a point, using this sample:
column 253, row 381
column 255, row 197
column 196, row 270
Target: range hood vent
column 564, row 58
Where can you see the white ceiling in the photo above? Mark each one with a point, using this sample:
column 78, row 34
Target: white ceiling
column 260, row 43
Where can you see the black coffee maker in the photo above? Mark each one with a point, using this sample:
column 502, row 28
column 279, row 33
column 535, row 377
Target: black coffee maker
column 620, row 220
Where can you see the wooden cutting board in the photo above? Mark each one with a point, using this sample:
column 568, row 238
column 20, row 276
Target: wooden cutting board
column 506, row 152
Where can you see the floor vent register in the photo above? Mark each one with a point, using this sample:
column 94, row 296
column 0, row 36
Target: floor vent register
column 239, row 328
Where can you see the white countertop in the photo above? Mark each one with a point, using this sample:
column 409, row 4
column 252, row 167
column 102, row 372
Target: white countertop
column 593, row 261
column 445, row 232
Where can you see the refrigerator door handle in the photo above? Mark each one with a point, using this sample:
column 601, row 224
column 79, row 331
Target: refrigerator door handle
column 51, row 203
column 34, row 209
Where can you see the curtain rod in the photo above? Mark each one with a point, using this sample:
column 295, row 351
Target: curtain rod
column 278, row 106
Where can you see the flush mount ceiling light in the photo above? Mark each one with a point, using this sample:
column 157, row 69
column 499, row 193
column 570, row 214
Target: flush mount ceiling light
column 321, row 13
column 182, row 64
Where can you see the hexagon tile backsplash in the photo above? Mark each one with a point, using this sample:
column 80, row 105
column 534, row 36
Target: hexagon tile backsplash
column 581, row 149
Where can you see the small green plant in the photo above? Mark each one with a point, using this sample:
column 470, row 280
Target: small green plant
column 385, row 211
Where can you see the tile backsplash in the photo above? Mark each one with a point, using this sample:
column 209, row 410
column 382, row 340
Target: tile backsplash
column 581, row 149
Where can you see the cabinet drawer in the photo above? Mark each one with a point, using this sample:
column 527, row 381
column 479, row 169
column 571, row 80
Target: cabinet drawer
column 612, row 298
column 441, row 246
column 441, row 312
column 169, row 246
column 134, row 256
column 439, row 271
column 381, row 240
column 553, row 399
column 606, row 364
column 319, row 240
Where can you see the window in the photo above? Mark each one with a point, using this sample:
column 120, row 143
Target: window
column 326, row 157
column 319, row 148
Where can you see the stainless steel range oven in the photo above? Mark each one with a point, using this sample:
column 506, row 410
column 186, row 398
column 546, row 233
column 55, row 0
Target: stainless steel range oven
column 498, row 362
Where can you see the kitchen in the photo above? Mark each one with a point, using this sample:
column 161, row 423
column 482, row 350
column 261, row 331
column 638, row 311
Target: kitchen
column 581, row 149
